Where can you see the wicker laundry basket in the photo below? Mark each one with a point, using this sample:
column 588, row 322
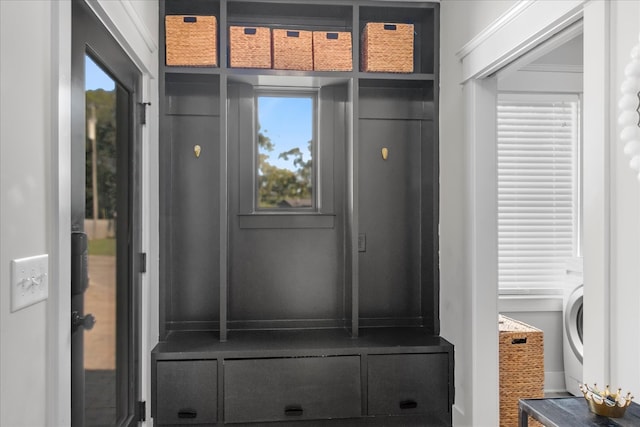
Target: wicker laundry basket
column 332, row 51
column 292, row 50
column 387, row 47
column 191, row 40
column 521, row 349
column 249, row 47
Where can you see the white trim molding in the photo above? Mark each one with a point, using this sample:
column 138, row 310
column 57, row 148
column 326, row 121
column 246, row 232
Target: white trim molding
column 142, row 28
column 597, row 195
column 522, row 29
column 512, row 13
column 482, row 221
column 58, row 382
column 129, row 30
column 563, row 36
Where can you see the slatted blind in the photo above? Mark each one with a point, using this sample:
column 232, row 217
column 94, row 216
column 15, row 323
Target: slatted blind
column 537, row 193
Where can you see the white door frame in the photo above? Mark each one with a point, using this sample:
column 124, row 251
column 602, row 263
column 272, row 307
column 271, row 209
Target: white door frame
column 58, row 370
column 523, row 27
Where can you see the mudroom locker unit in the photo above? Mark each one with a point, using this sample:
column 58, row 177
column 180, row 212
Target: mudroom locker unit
column 321, row 310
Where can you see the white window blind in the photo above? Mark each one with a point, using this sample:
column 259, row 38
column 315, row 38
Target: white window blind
column 537, row 193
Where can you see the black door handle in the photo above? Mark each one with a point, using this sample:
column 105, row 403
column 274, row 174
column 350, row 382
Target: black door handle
column 187, row 413
column 293, row 411
column 85, row 322
column 408, row 404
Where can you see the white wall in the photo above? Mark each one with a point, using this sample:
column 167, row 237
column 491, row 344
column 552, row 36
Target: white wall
column 34, row 159
column 460, row 21
column 625, row 215
column 25, row 138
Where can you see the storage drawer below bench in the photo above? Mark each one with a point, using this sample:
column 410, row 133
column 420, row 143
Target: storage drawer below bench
column 292, row 388
column 403, row 384
column 187, row 392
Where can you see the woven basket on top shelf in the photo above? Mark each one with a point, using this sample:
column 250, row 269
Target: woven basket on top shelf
column 521, row 350
column 387, row 47
column 292, row 50
column 249, row 47
column 191, row 40
column 332, row 51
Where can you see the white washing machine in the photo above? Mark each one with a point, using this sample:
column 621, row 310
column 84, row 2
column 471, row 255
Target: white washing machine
column 572, row 337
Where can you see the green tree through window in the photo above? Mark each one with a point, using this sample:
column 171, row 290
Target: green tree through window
column 285, row 147
column 101, row 105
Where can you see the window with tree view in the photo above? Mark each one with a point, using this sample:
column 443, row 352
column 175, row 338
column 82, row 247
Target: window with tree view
column 285, row 151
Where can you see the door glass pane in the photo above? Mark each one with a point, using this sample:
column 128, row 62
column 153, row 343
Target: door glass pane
column 100, row 226
column 285, row 150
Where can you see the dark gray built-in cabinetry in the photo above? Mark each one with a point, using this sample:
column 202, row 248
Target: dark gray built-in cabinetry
column 321, row 316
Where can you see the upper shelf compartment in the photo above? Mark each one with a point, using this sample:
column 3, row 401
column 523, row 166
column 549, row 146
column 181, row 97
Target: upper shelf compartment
column 423, row 18
column 291, row 15
column 191, row 35
column 192, row 7
column 329, row 16
column 290, row 36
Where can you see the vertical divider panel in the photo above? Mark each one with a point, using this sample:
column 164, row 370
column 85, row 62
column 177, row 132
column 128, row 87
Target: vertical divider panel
column 435, row 132
column 352, row 179
column 352, row 203
column 165, row 200
column 431, row 142
column 224, row 218
column 223, row 31
column 224, row 215
column 355, row 39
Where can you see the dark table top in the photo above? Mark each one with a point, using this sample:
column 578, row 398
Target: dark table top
column 574, row 412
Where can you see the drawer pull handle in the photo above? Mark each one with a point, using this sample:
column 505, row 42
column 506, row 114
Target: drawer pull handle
column 293, row 411
column 408, row 404
column 187, row 413
column 519, row 341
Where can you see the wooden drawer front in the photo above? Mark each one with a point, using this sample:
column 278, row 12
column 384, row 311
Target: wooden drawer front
column 187, row 392
column 292, row 389
column 408, row 384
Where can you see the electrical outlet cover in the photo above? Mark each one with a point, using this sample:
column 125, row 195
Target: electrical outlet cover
column 29, row 281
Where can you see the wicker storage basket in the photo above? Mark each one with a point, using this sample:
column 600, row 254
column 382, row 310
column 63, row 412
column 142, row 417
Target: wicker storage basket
column 292, row 50
column 387, row 47
column 191, row 40
column 250, row 47
column 332, row 51
column 521, row 349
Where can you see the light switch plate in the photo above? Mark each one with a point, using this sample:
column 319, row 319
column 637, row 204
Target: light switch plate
column 29, row 281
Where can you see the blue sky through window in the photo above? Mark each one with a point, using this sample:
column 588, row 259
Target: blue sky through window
column 95, row 78
column 288, row 122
